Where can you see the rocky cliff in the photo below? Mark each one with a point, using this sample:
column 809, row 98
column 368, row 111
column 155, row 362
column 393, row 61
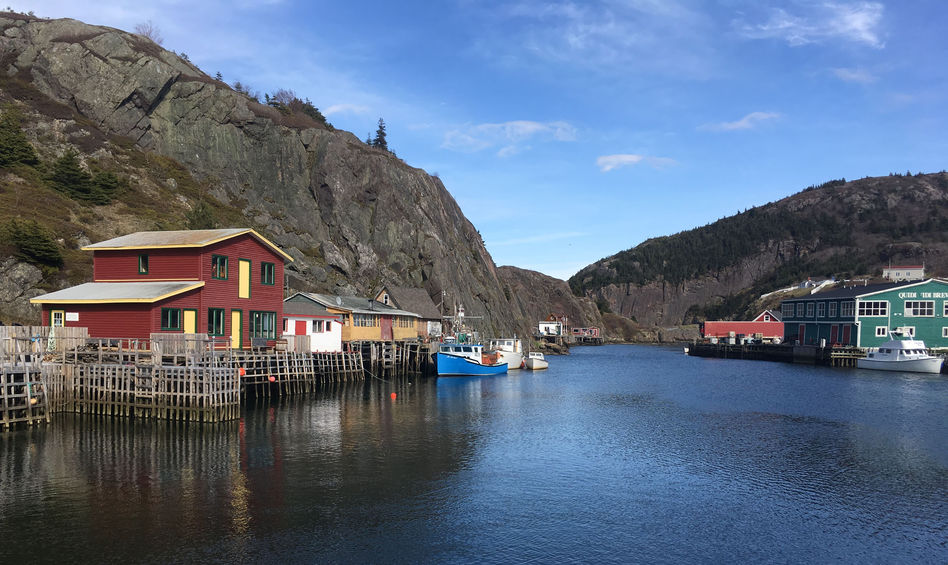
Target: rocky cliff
column 838, row 229
column 352, row 216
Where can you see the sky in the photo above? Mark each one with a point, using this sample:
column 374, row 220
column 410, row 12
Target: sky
column 568, row 131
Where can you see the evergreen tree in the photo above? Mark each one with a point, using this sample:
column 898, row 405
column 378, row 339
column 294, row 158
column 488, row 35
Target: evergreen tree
column 201, row 217
column 369, row 140
column 33, row 243
column 68, row 177
column 14, row 148
column 380, row 140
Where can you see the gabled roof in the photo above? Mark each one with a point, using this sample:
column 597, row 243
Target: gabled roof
column 179, row 239
column 305, row 308
column 117, row 292
column 774, row 315
column 414, row 300
column 354, row 304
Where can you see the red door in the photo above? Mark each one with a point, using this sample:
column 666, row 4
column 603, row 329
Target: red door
column 846, row 335
column 386, row 328
column 301, row 327
column 802, row 334
column 834, row 333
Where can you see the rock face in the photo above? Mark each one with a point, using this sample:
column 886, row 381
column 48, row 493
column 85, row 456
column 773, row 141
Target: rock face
column 354, row 217
column 843, row 229
column 534, row 296
column 18, row 283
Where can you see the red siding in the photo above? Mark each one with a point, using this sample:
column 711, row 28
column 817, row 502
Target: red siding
column 223, row 293
column 163, row 264
column 723, row 329
column 108, row 320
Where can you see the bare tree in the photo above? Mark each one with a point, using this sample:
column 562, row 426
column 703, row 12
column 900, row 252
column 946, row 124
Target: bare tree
column 151, row 31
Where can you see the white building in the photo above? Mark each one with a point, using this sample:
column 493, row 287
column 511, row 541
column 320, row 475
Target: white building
column 904, row 272
column 306, row 317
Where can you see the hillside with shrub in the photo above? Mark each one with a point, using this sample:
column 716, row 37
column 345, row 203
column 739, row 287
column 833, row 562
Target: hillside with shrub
column 842, row 229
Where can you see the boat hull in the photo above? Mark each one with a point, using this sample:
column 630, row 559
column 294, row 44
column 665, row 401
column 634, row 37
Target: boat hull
column 513, row 359
column 456, row 366
column 927, row 365
column 535, row 364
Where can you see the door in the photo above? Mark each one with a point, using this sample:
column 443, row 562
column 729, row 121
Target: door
column 386, row 328
column 834, row 334
column 801, row 336
column 190, row 321
column 236, row 328
column 243, row 278
column 301, row 327
column 846, row 335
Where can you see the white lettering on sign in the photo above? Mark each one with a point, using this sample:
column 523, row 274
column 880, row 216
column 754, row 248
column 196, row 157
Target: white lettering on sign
column 907, row 295
column 935, row 295
column 72, row 316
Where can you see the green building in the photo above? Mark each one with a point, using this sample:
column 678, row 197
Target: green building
column 864, row 315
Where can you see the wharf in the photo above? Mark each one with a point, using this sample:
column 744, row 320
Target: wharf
column 787, row 353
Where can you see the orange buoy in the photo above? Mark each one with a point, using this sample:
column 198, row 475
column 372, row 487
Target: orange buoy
column 242, row 371
column 394, row 396
column 271, row 378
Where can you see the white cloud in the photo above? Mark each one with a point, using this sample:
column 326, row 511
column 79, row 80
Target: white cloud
column 607, row 163
column 854, row 75
column 858, row 22
column 345, row 109
column 508, row 135
column 749, row 121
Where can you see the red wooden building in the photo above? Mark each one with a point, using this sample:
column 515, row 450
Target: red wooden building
column 767, row 325
column 223, row 282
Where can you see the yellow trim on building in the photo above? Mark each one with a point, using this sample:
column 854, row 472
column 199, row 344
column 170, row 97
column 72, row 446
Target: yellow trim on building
column 116, row 300
column 190, row 245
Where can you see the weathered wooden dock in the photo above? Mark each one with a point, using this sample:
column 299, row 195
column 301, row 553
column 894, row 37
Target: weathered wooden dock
column 788, row 353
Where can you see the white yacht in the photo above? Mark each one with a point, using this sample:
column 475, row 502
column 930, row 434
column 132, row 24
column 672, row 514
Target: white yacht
column 901, row 353
column 535, row 361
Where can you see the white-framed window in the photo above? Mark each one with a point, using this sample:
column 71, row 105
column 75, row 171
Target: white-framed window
column 787, row 309
column 945, row 313
column 944, row 331
column 832, row 310
column 920, row 308
column 385, row 298
column 800, row 308
column 882, row 331
column 766, row 317
column 874, row 308
column 908, row 330
column 847, row 309
column 317, row 326
column 821, row 309
column 809, row 309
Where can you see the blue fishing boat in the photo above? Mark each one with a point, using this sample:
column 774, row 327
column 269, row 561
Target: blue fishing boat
column 467, row 359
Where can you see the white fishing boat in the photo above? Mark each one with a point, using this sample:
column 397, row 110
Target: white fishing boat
column 509, row 350
column 901, row 353
column 535, row 361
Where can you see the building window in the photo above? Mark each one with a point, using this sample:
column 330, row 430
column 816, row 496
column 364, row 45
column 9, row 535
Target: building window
column 920, row 308
column 365, row 320
column 809, row 310
column 143, row 264
column 170, row 319
column 263, row 324
column 832, row 309
column 385, row 299
column 874, row 308
column 944, row 331
column 215, row 321
column 317, row 326
column 800, row 308
column 267, row 273
column 882, row 331
column 821, row 309
column 847, row 309
column 219, row 267
column 787, row 309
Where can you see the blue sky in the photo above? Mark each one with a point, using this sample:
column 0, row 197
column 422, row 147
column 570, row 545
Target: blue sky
column 569, row 131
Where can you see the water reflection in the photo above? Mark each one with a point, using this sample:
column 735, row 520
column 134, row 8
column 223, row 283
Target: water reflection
column 613, row 454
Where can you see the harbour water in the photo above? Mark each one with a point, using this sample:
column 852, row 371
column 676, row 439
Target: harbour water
column 615, row 454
